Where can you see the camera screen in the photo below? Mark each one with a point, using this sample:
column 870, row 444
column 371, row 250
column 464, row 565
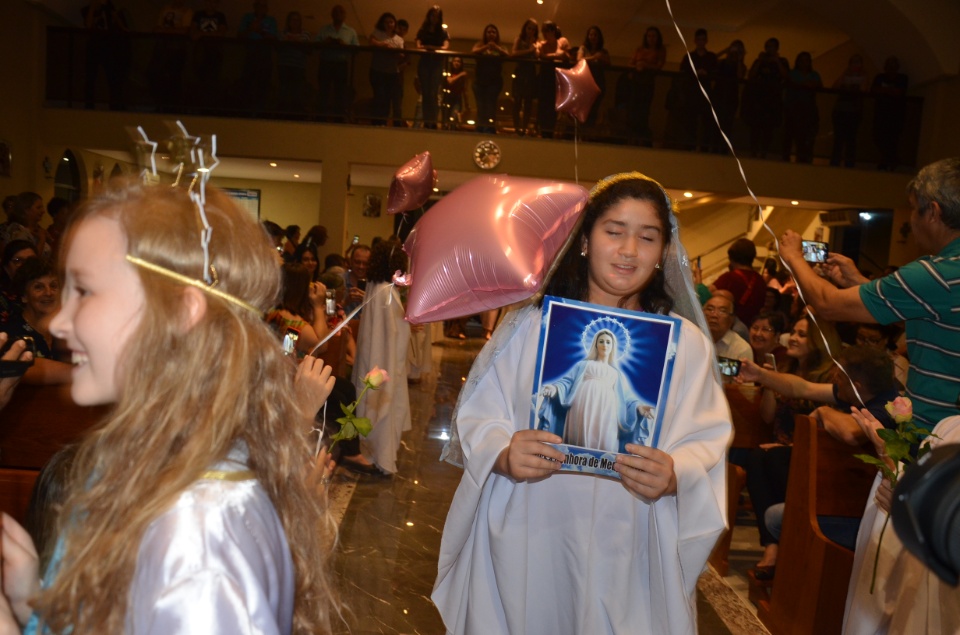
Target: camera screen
column 814, row 251
column 729, row 367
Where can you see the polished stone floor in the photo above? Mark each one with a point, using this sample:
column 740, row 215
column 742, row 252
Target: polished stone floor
column 391, row 528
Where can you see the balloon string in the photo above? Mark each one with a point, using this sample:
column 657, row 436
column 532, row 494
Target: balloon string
column 347, row 319
column 743, row 176
column 576, row 153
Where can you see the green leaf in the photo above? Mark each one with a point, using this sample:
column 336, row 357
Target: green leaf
column 345, row 420
column 898, row 449
column 363, row 425
column 349, row 431
column 348, row 410
column 879, row 463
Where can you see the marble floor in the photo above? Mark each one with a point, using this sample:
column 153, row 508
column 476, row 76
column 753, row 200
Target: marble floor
column 391, row 527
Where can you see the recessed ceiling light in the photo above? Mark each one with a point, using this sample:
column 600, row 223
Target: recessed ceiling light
column 688, row 194
column 273, row 164
column 203, row 170
column 794, row 202
column 445, row 26
column 865, row 215
column 296, row 176
column 67, row 159
column 409, row 524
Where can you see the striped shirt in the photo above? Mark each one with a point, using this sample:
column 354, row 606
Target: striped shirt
column 922, row 295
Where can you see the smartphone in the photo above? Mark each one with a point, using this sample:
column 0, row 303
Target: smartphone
column 772, row 360
column 814, row 251
column 290, row 338
column 331, row 303
column 362, row 285
column 356, row 239
column 728, row 366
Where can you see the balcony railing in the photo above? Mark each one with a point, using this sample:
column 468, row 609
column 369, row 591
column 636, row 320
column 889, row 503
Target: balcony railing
column 229, row 77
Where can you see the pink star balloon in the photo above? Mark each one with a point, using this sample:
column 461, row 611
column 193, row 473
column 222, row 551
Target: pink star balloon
column 576, row 91
column 487, row 244
column 412, row 184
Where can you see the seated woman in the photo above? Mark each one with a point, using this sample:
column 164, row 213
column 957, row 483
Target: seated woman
column 769, row 465
column 765, row 339
column 38, row 288
column 15, row 253
column 301, row 309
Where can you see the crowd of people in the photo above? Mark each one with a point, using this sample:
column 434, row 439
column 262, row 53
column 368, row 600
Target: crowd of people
column 203, row 481
column 772, row 98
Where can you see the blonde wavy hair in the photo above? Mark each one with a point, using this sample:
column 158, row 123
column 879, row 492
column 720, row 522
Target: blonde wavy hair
column 186, row 398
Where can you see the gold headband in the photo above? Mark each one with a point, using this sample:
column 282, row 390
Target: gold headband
column 604, row 184
column 163, row 271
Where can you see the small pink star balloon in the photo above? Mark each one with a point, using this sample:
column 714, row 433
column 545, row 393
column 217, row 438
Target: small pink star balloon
column 576, row 91
column 487, row 244
column 412, row 184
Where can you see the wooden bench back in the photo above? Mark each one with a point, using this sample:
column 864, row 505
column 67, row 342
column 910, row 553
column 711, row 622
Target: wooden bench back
column 39, row 421
column 749, row 430
column 813, row 572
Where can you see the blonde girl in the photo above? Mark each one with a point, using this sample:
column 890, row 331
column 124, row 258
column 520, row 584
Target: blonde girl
column 188, row 508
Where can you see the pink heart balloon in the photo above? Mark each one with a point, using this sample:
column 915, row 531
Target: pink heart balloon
column 412, row 184
column 487, row 244
column 576, row 91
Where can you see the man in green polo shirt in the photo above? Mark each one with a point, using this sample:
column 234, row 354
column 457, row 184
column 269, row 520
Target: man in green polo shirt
column 920, row 293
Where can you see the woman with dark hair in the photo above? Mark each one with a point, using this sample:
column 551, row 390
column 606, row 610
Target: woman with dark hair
column 38, row 286
column 385, row 71
column 488, row 81
column 553, row 51
column 597, row 58
column 292, row 239
column 301, row 309
column 15, row 253
column 524, row 85
column 306, row 255
column 383, row 340
column 731, row 71
column 765, row 334
column 521, row 538
column 801, row 117
column 454, row 94
column 649, row 58
column 431, row 37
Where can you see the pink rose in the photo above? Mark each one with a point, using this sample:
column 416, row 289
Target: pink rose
column 901, row 409
column 375, row 378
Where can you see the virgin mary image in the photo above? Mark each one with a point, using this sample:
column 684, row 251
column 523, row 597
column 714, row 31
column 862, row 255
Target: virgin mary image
column 592, row 405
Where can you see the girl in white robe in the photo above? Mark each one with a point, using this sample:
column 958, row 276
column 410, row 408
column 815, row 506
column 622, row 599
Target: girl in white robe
column 528, row 549
column 188, row 509
column 384, row 340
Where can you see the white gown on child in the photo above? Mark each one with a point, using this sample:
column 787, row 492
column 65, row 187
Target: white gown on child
column 383, row 341
column 573, row 553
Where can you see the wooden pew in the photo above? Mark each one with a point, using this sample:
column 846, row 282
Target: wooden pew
column 749, row 431
column 16, row 485
column 39, row 421
column 813, row 572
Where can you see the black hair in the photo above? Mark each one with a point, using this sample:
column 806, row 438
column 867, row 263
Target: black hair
column 700, row 32
column 386, row 257
column 274, row 230
column 426, row 26
column 523, row 30
column 776, row 319
column 869, row 366
column 742, row 252
column 381, row 22
column 291, row 231
column 57, row 205
column 14, row 246
column 483, row 37
column 570, row 280
column 659, row 44
column 586, row 39
column 33, row 268
column 334, row 260
column 303, row 248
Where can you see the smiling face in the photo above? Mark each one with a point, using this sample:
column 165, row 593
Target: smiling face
column 359, row 261
column 798, row 345
column 42, row 296
column 103, row 304
column 308, row 261
column 763, row 337
column 623, row 249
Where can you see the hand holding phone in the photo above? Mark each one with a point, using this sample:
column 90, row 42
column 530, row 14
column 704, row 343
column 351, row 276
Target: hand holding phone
column 815, row 251
column 728, row 366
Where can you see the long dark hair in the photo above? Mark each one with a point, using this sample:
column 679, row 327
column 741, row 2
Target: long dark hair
column 571, row 279
column 386, row 258
column 301, row 249
column 523, row 31
column 586, row 39
column 382, row 21
column 429, row 28
column 659, row 44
